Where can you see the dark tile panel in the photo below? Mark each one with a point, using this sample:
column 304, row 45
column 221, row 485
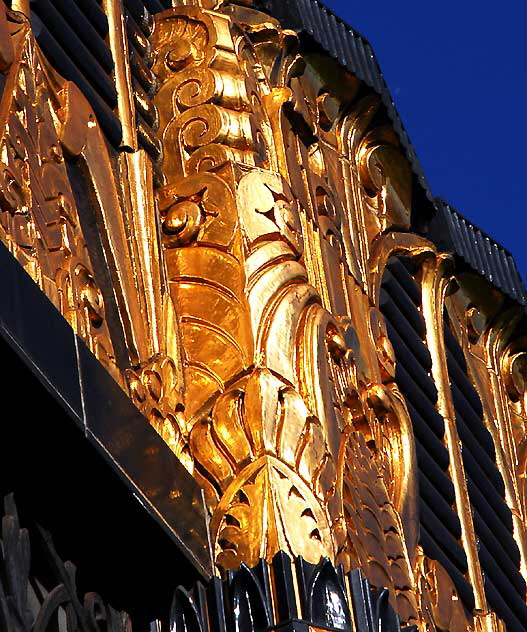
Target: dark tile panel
column 508, row 275
column 404, row 330
column 462, row 381
column 82, row 55
column 497, row 549
column 146, row 463
column 471, row 418
column 86, row 30
column 438, row 477
column 59, row 360
column 432, row 523
column 471, row 444
column 430, row 495
column 32, row 324
column 285, row 594
column 498, row 603
column 483, row 469
column 73, row 35
column 405, row 280
column 498, row 518
column 454, row 349
column 334, row 26
column 428, row 439
column 482, row 490
column 421, row 403
column 155, row 6
column 93, row 11
column 502, row 548
column 407, row 358
column 405, row 305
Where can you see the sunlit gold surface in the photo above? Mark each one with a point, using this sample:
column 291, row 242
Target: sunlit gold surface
column 247, row 288
column 495, row 349
column 123, row 81
column 435, row 286
column 39, row 221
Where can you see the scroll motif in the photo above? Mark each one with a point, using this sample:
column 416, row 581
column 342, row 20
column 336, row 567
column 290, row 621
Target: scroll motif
column 269, row 276
column 243, row 448
column 263, row 269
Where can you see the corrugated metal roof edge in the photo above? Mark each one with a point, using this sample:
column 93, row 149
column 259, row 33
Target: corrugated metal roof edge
column 452, row 231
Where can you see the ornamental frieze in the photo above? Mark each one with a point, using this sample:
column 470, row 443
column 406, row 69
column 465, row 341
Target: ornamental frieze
column 235, row 283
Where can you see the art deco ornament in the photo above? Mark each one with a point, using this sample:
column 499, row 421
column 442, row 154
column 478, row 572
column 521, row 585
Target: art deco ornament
column 246, row 271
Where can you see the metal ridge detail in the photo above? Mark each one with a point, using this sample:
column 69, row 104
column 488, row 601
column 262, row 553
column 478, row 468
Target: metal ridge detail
column 451, row 230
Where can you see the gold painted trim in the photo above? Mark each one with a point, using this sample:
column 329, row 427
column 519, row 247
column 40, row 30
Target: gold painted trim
column 435, row 281
column 21, row 5
column 493, row 343
column 389, row 245
column 485, row 348
column 122, row 74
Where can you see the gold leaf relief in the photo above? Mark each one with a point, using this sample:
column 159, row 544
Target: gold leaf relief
column 373, row 530
column 269, row 508
column 280, row 191
column 39, row 219
column 297, row 431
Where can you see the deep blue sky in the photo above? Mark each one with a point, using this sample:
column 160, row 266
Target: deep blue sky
column 457, row 73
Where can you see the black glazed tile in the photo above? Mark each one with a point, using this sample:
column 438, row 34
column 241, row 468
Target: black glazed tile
column 63, row 483
column 137, row 452
column 285, row 589
column 7, row 288
column 39, row 333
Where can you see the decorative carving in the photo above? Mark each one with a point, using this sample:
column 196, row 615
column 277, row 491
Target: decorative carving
column 267, row 460
column 262, row 258
column 385, row 178
column 203, row 106
column 206, row 282
column 494, row 346
column 155, row 391
column 439, row 601
column 241, row 603
column 52, row 146
column 246, row 293
column 374, row 540
column 39, row 220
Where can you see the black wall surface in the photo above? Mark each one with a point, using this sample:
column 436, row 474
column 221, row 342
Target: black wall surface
column 85, row 464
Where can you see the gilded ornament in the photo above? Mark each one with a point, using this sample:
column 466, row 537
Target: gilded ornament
column 245, row 274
